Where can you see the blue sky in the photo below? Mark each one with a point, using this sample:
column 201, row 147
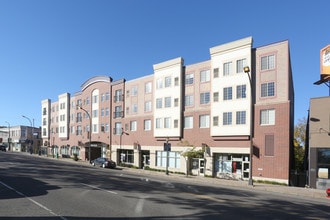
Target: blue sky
column 49, row 47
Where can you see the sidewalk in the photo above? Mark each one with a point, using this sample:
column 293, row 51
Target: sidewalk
column 287, row 190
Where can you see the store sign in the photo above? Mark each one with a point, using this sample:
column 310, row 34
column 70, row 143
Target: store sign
column 325, row 60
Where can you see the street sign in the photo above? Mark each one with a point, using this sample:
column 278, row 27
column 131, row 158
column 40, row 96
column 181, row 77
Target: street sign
column 167, row 147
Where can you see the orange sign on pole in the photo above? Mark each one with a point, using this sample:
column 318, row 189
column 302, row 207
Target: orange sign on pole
column 325, row 61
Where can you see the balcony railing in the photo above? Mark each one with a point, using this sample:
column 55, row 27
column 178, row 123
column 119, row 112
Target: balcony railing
column 118, row 114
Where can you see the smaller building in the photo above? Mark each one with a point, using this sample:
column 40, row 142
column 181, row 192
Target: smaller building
column 319, row 143
column 21, row 138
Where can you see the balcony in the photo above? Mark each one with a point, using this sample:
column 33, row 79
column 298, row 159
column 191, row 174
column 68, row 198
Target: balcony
column 119, row 114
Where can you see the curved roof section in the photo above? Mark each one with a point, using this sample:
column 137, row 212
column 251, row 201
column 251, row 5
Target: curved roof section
column 95, row 79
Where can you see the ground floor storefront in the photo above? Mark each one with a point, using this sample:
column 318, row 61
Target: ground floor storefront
column 319, row 168
column 222, row 163
column 92, row 151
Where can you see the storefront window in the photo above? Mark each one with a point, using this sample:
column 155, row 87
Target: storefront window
column 173, row 159
column 127, row 156
column 323, row 163
column 232, row 166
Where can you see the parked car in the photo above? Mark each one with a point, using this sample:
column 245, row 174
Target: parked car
column 103, row 162
column 3, row 148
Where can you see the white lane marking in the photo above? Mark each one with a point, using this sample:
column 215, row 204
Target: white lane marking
column 95, row 187
column 139, row 205
column 33, row 201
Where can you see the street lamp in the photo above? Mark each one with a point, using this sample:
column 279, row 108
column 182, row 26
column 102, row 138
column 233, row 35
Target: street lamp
column 247, row 71
column 90, row 131
column 9, row 140
column 121, row 135
column 30, row 143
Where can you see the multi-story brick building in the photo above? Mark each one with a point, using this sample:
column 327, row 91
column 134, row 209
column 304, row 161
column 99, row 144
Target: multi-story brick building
column 206, row 104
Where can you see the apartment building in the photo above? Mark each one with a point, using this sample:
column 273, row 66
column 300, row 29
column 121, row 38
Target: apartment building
column 205, row 105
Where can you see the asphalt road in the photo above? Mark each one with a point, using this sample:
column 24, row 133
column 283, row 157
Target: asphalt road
column 33, row 187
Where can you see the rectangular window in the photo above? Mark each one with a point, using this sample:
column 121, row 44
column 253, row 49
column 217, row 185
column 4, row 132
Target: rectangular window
column 216, row 97
column 168, row 102
column 227, row 68
column 127, row 156
column 216, row 73
column 168, row 81
column 205, row 98
column 167, row 122
column 267, row 89
column 134, row 91
column 204, row 121
column 227, row 118
column 72, row 129
column 95, row 99
column 102, row 97
column 227, row 93
column 241, row 91
column 159, row 103
column 118, row 95
column 188, row 122
column 176, row 102
column 158, row 123
column 240, row 65
column 133, row 125
column 176, row 123
column 215, row 121
column 176, row 81
column 268, row 62
column 174, row 159
column 107, row 96
column 118, row 128
column 95, row 128
column 148, row 87
column 134, row 108
column 323, row 165
column 205, row 76
column 241, row 118
column 269, row 145
column 79, row 130
column 118, row 112
column 189, row 100
column 147, row 125
column 267, row 117
column 147, row 106
column 79, row 117
column 95, row 113
column 62, row 105
column 189, row 79
column 159, row 83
